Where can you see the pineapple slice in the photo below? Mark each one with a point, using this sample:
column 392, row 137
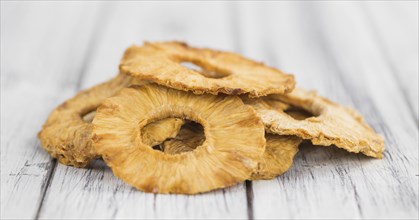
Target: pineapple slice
column 212, row 72
column 328, row 124
column 234, row 140
column 66, row 135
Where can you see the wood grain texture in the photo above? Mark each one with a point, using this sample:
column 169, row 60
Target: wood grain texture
column 97, row 192
column 34, row 49
column 359, row 54
column 394, row 27
column 331, row 183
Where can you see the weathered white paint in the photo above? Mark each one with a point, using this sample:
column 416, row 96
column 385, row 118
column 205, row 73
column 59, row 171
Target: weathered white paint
column 336, row 53
column 398, row 42
column 42, row 48
column 350, row 52
column 99, row 194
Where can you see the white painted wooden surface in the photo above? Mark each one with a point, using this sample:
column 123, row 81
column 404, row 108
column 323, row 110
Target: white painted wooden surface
column 360, row 54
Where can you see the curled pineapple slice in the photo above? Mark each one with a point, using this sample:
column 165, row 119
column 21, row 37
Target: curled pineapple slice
column 234, row 140
column 66, row 135
column 309, row 116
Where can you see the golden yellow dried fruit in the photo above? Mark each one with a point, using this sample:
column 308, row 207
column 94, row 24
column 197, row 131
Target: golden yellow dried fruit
column 158, row 131
column 220, row 72
column 276, row 160
column 233, row 146
column 278, row 157
column 190, row 136
column 66, row 135
column 330, row 123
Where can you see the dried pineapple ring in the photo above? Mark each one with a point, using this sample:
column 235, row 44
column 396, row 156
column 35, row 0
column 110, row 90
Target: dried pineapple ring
column 278, row 157
column 332, row 124
column 66, row 134
column 233, row 146
column 223, row 72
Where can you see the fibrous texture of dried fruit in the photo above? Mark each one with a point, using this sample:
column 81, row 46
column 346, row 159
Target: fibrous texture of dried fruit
column 190, row 136
column 233, row 146
column 221, row 72
column 331, row 124
column 67, row 132
column 158, row 131
column 278, row 157
column 66, row 135
column 276, row 160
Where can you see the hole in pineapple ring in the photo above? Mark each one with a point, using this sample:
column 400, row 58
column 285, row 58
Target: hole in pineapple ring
column 174, row 139
column 172, row 145
column 191, row 135
column 298, row 113
column 195, row 66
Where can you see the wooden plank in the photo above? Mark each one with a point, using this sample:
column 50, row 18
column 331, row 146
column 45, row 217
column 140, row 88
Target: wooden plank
column 95, row 192
column 192, row 26
column 312, row 41
column 394, row 26
column 41, row 52
column 282, row 198
column 372, row 96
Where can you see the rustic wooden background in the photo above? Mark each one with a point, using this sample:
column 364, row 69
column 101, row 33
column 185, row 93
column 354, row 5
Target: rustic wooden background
column 359, row 54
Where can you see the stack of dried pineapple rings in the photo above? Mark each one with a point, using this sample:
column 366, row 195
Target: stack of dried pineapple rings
column 178, row 119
